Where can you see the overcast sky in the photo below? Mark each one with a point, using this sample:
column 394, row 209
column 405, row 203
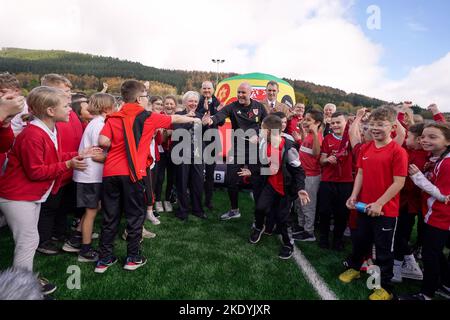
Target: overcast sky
column 324, row 41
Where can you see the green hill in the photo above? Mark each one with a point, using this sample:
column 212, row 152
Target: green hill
column 39, row 62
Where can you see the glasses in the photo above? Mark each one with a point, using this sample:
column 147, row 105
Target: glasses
column 376, row 126
column 158, row 103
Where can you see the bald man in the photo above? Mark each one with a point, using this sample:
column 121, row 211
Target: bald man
column 245, row 114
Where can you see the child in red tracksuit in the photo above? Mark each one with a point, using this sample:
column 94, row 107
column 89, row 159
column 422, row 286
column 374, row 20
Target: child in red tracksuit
column 35, row 169
column 436, row 187
column 382, row 169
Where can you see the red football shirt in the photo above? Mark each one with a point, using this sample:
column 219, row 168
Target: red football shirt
column 310, row 163
column 342, row 171
column 380, row 166
column 116, row 163
column 276, row 179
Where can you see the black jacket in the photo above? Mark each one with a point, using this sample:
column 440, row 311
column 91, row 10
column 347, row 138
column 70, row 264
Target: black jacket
column 293, row 173
column 242, row 117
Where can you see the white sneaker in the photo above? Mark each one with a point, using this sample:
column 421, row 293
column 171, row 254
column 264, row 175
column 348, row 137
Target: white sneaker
column 159, row 207
column 151, row 217
column 147, row 234
column 168, row 206
column 347, row 232
column 397, row 278
column 411, row 269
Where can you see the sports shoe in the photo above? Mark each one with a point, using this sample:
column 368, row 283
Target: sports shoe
column 73, row 245
column 47, row 287
column 232, row 214
column 255, row 236
column 286, row 252
column 48, row 248
column 269, row 230
column 347, row 232
column 296, row 229
column 152, row 218
column 414, row 297
column 381, row 294
column 134, row 263
column 411, row 269
column 366, row 264
column 147, row 234
column 159, row 207
column 349, row 275
column 103, row 264
column 90, row 256
column 444, row 292
column 397, row 270
column 306, row 237
column 168, row 206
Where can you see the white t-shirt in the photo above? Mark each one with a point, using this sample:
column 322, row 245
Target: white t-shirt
column 94, row 171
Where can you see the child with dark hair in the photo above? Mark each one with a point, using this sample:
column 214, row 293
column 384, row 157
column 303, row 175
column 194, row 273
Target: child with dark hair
column 311, row 141
column 283, row 181
column 337, row 181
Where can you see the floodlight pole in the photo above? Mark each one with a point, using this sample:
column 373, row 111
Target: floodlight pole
column 218, row 62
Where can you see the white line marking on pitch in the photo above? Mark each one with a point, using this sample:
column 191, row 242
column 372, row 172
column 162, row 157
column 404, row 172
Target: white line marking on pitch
column 312, row 276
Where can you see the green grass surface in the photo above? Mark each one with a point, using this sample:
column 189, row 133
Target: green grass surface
column 203, row 259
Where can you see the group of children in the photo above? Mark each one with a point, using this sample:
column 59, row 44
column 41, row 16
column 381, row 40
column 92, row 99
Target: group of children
column 373, row 173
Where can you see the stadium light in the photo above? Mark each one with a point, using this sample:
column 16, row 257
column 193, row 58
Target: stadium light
column 218, row 62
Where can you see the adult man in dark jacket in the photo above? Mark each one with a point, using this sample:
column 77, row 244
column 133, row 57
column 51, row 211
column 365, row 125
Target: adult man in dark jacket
column 246, row 114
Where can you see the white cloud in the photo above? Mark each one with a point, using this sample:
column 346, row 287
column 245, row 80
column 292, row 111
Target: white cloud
column 312, row 40
column 424, row 85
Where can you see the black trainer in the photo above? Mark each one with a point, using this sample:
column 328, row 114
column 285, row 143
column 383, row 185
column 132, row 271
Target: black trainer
column 418, row 297
column 47, row 287
column 48, row 248
column 73, row 245
column 255, row 236
column 286, row 252
column 269, row 230
column 444, row 292
column 90, row 256
column 296, row 229
column 306, row 236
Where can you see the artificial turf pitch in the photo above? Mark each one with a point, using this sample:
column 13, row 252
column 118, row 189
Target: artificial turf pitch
column 202, row 259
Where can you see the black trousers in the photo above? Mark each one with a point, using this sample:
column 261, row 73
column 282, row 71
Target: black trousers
column 121, row 194
column 54, row 212
column 405, row 225
column 164, row 164
column 379, row 231
column 436, row 265
column 271, row 201
column 232, row 179
column 189, row 176
column 50, row 210
column 333, row 196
